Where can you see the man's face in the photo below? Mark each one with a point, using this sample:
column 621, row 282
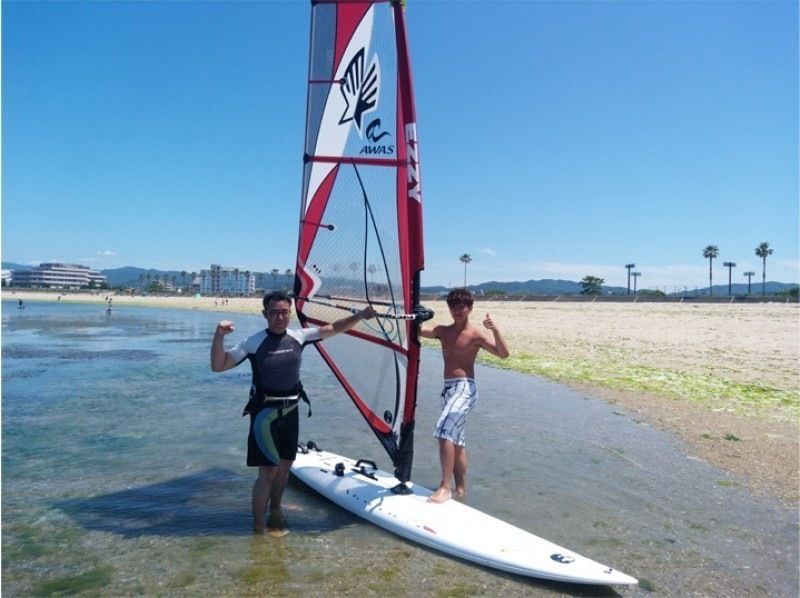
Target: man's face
column 459, row 311
column 278, row 315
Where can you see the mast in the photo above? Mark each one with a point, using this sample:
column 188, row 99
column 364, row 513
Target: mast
column 410, row 197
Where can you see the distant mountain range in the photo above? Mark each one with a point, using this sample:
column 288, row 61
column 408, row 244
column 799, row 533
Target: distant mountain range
column 130, row 276
column 569, row 287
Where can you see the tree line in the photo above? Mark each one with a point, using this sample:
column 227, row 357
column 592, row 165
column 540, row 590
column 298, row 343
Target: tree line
column 711, row 252
column 592, row 285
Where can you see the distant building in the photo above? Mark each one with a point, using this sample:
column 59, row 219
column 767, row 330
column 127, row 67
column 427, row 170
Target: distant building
column 53, row 275
column 163, row 285
column 197, row 283
column 220, row 280
column 6, row 277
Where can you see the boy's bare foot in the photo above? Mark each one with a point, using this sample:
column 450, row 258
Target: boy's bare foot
column 441, row 495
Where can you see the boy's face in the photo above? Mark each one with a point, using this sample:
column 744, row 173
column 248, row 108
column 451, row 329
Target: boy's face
column 459, row 311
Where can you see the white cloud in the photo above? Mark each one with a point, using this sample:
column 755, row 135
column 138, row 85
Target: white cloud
column 107, row 253
column 793, row 265
column 488, row 251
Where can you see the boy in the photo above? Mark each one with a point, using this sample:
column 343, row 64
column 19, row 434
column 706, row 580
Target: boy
column 461, row 342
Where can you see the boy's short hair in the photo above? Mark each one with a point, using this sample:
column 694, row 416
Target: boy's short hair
column 461, row 296
column 276, row 296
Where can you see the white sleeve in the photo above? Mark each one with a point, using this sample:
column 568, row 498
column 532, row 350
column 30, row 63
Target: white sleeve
column 307, row 335
column 243, row 348
column 239, row 352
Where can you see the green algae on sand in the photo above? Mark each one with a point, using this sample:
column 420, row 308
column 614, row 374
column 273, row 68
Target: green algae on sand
column 714, row 391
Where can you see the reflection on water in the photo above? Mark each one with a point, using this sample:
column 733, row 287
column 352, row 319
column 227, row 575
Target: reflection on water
column 123, row 474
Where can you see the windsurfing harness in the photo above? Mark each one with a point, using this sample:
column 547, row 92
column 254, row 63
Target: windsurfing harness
column 262, row 397
column 275, row 362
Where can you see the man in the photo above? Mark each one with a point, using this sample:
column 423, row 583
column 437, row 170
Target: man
column 275, row 355
column 460, row 342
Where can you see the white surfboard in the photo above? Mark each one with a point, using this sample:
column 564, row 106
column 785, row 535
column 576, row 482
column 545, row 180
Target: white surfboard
column 451, row 527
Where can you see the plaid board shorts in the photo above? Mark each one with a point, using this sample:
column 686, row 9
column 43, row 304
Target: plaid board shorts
column 458, row 398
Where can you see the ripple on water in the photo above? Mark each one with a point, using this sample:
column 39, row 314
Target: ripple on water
column 76, row 354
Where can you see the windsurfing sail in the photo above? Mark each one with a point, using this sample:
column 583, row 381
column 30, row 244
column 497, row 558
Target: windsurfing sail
column 360, row 240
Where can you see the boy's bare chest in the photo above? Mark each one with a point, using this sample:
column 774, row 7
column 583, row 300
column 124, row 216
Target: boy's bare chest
column 459, row 341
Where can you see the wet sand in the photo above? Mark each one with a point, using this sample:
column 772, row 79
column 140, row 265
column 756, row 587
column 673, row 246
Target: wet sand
column 756, row 345
column 753, row 348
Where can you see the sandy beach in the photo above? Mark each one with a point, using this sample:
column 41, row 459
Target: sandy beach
column 724, row 378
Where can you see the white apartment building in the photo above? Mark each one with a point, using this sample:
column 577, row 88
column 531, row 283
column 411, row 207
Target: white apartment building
column 222, row 280
column 54, row 275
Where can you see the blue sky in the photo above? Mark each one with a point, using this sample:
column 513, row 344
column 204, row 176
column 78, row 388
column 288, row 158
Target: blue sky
column 558, row 139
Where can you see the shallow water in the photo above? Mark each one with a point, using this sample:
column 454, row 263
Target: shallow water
column 123, row 474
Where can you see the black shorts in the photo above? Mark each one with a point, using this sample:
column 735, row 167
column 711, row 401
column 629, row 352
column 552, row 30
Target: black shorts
column 273, row 435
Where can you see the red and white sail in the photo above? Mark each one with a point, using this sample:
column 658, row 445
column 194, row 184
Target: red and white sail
column 360, row 236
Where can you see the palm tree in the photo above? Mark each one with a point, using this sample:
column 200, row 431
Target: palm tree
column 274, row 273
column 289, row 274
column 710, row 252
column 466, row 258
column 763, row 251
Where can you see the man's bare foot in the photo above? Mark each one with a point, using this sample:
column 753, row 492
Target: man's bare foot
column 276, row 524
column 441, row 495
column 461, row 494
column 278, row 533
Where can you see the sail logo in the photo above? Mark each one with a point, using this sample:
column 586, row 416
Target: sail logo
column 412, row 149
column 360, row 86
column 374, row 135
column 372, row 129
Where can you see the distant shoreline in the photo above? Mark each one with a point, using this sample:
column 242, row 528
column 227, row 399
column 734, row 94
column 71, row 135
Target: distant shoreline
column 248, row 305
column 725, row 378
column 641, row 297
